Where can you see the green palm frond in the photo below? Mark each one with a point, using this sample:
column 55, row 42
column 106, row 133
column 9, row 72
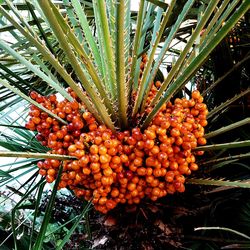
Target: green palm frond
column 228, row 128
column 96, row 48
column 224, row 229
column 225, row 105
column 228, row 158
column 35, row 155
column 106, row 66
column 223, row 182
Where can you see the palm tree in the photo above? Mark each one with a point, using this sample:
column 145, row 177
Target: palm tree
column 106, row 63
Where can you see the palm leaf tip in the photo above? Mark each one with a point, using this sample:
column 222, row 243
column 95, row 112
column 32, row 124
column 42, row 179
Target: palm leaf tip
column 222, row 182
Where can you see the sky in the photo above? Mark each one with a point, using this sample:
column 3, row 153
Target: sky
column 135, row 4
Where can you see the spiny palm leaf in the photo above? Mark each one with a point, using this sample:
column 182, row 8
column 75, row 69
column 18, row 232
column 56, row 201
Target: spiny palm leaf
column 225, row 229
column 199, row 59
column 35, row 155
column 231, row 157
column 223, row 182
column 245, row 59
column 225, row 145
column 228, row 128
column 225, row 105
column 105, row 67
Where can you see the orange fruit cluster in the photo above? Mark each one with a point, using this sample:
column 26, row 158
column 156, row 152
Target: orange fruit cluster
column 123, row 167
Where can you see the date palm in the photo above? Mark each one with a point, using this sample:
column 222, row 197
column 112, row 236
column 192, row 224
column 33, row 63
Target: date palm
column 95, row 48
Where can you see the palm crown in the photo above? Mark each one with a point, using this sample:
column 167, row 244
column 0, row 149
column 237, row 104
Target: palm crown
column 106, row 63
column 111, row 59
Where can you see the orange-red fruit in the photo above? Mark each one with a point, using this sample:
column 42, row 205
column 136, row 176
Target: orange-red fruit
column 126, row 166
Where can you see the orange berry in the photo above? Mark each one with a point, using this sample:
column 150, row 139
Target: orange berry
column 131, row 140
column 51, row 171
column 169, row 150
column 200, row 99
column 42, row 172
column 50, row 178
column 94, row 158
column 193, row 166
column 97, row 176
column 165, row 124
column 157, row 172
column 72, row 148
column 131, row 186
column 134, row 193
column 75, row 165
column 72, row 175
column 156, row 191
column 135, row 179
column 108, row 143
column 93, row 149
column 169, row 177
column 115, row 192
column 78, row 177
column 92, row 127
column 123, row 181
column 196, row 94
column 154, row 198
column 178, row 140
column 124, row 158
column 155, row 150
column 138, row 161
column 95, row 167
column 112, row 151
column 157, row 84
column 139, row 153
column 186, row 145
column 165, row 163
column 84, row 160
column 149, row 179
column 74, row 105
column 150, row 162
column 141, row 171
column 164, row 147
column 98, row 140
column 102, row 200
column 149, row 171
column 181, row 188
column 150, row 134
column 132, row 167
column 110, row 204
column 102, row 150
column 36, row 120
column 199, row 152
column 202, row 141
column 105, row 136
column 105, row 165
column 161, row 156
column 86, row 171
column 104, row 158
column 163, row 172
column 140, row 145
column 108, row 171
column 194, row 112
column 175, row 132
column 203, row 122
column 154, row 183
column 106, row 180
